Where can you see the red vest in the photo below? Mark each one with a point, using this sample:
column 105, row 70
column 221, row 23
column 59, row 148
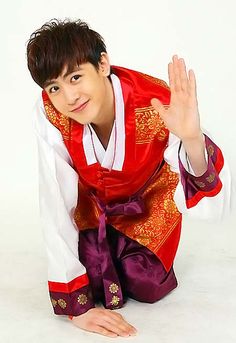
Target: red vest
column 146, row 139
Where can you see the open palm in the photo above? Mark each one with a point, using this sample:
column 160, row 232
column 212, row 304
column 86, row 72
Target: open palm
column 182, row 116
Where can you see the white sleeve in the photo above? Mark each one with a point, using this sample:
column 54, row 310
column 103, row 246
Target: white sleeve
column 209, row 207
column 58, row 194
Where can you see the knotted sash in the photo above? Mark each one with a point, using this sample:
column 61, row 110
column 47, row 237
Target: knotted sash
column 134, row 205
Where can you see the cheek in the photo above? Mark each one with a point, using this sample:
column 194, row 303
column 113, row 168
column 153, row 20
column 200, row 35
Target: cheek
column 59, row 105
column 70, row 115
column 99, row 92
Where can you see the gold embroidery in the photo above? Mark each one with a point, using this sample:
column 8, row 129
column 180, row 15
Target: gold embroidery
column 85, row 205
column 144, row 240
column 113, row 288
column 115, row 300
column 59, row 120
column 154, row 80
column 211, row 178
column 82, row 299
column 151, row 228
column 62, row 303
column 54, row 302
column 169, row 205
column 149, row 125
column 200, row 184
column 161, row 216
column 210, row 150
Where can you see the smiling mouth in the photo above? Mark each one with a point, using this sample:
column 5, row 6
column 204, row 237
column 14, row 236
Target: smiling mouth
column 81, row 107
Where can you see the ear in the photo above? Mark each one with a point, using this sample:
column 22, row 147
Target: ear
column 104, row 64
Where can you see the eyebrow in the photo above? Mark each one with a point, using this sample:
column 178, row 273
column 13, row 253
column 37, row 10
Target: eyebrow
column 50, row 82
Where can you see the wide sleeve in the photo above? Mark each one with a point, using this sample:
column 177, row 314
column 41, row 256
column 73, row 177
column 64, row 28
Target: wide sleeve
column 206, row 196
column 68, row 282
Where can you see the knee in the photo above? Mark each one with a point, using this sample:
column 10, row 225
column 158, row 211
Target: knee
column 149, row 284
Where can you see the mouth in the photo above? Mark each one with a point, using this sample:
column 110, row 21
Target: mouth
column 80, row 108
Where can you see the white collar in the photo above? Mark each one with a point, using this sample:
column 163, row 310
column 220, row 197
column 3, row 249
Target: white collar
column 113, row 156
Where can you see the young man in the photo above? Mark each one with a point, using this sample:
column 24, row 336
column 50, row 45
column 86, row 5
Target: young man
column 121, row 157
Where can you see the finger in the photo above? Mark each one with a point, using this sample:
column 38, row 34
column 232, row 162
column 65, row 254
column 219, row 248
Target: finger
column 183, row 75
column 120, row 330
column 115, row 314
column 118, row 320
column 192, row 83
column 121, row 324
column 171, row 76
column 158, row 106
column 177, row 83
column 103, row 331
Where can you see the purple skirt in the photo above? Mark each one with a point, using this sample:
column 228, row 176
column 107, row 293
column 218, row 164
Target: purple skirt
column 141, row 274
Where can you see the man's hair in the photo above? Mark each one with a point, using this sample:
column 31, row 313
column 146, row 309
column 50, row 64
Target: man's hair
column 59, row 44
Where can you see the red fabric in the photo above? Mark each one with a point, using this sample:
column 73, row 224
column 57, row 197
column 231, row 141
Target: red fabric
column 113, row 186
column 170, row 246
column 145, row 143
column 69, row 287
column 201, row 194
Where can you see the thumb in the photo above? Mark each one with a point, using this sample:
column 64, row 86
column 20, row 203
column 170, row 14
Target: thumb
column 157, row 105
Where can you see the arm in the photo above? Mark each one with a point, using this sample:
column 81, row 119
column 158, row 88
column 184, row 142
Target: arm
column 68, row 282
column 206, row 196
column 58, row 183
column 195, row 150
column 204, row 190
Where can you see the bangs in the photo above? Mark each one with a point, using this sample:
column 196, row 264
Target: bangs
column 53, row 48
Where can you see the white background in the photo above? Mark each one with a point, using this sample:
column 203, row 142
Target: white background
column 141, row 35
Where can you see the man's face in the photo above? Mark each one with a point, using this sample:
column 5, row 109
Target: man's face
column 81, row 95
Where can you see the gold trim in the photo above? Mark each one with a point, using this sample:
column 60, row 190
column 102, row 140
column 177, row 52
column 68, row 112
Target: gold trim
column 211, row 150
column 62, row 303
column 211, row 177
column 200, row 184
column 54, row 302
column 113, row 288
column 161, row 216
column 82, row 299
column 59, row 120
column 155, row 80
column 115, row 300
column 149, row 125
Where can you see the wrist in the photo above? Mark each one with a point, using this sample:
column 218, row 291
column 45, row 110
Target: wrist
column 194, row 145
column 199, row 138
column 195, row 150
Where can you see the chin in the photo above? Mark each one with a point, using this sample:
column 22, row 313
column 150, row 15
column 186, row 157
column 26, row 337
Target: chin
column 83, row 121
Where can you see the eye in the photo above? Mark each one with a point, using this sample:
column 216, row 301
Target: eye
column 53, row 89
column 75, row 77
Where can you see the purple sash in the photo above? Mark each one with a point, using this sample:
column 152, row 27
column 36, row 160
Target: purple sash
column 134, row 205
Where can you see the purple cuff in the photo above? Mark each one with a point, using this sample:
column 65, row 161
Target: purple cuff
column 206, row 182
column 74, row 303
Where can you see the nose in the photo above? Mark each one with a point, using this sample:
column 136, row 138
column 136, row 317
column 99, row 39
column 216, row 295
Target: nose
column 71, row 95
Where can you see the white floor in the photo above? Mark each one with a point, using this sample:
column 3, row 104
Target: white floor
column 202, row 308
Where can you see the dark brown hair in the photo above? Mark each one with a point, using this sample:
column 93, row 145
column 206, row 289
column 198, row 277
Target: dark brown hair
column 59, row 44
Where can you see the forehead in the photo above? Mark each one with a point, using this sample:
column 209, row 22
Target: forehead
column 66, row 71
